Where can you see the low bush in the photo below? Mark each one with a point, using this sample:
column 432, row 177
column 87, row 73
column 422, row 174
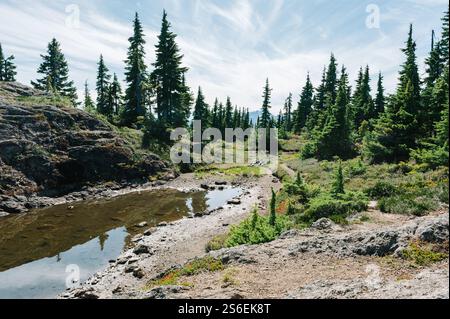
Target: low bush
column 335, row 208
column 423, row 254
column 382, row 189
column 257, row 230
column 407, row 204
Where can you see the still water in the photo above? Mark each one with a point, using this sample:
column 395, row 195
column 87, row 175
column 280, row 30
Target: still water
column 37, row 248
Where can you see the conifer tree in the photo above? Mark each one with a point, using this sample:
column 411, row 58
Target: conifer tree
column 215, row 115
column 172, row 94
column 379, row 99
column 335, row 139
column 273, row 214
column 305, row 106
column 444, row 43
column 266, row 117
column 337, row 187
column 135, row 77
column 55, row 73
column 247, row 123
column 331, row 82
column 228, row 114
column 88, row 105
column 221, row 118
column 288, row 113
column 114, row 96
column 201, row 111
column 102, row 87
column 9, row 69
column 395, row 133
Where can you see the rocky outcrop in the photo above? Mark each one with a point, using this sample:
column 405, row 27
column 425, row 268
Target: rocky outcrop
column 47, row 150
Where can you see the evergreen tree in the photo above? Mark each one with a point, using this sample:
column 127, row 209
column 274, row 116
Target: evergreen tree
column 114, row 96
column 331, row 82
column 444, row 44
column 102, row 87
column 55, row 73
column 305, row 106
column 273, row 214
column 215, row 115
column 395, row 133
column 172, row 106
column 363, row 106
column 266, row 118
column 228, row 114
column 201, row 111
column 88, row 105
column 221, row 118
column 135, row 77
column 379, row 99
column 337, row 187
column 247, row 123
column 335, row 139
column 9, row 69
column 288, row 113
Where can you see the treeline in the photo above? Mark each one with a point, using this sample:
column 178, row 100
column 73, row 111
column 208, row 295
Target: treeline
column 412, row 122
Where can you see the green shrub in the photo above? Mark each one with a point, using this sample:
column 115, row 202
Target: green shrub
column 308, row 151
column 326, row 205
column 423, row 254
column 382, row 189
column 356, row 168
column 407, row 204
column 432, row 157
column 257, row 230
column 218, row 242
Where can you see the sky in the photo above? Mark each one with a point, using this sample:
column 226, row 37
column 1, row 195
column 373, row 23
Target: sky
column 230, row 46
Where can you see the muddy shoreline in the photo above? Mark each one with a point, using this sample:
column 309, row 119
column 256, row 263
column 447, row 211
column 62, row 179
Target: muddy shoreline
column 173, row 243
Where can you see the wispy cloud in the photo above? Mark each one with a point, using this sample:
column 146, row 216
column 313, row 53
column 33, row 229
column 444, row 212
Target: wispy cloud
column 229, row 46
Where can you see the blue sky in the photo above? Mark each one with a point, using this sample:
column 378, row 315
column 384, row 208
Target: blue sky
column 229, row 46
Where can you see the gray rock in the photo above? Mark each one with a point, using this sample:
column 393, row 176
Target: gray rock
column 141, row 249
column 142, row 225
column 163, row 292
column 434, row 231
column 323, row 224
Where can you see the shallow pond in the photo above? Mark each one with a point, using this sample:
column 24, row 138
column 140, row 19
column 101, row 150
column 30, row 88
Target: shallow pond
column 36, row 249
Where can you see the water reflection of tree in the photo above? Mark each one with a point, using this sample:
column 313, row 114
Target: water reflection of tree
column 102, row 240
column 199, row 202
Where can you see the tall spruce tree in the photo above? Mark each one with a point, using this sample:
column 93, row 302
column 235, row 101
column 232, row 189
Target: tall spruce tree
column 305, row 105
column 444, row 43
column 114, row 96
column 288, row 113
column 215, row 115
column 201, row 111
column 88, row 104
column 102, row 88
column 363, row 106
column 379, row 99
column 335, row 138
column 265, row 120
column 55, row 73
column 395, row 133
column 228, row 114
column 172, row 94
column 135, row 77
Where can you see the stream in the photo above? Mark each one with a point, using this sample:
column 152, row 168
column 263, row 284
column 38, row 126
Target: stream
column 37, row 248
